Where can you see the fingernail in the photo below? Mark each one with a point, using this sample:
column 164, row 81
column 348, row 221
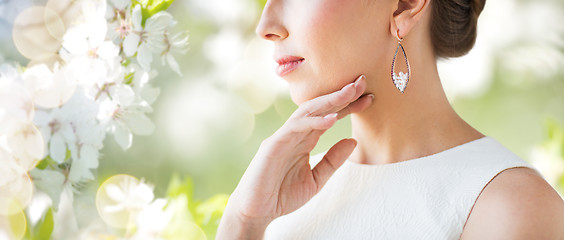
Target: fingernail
column 358, row 79
column 371, row 96
column 355, row 142
column 331, row 115
column 349, row 85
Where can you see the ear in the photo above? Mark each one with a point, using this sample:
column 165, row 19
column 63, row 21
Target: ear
column 406, row 15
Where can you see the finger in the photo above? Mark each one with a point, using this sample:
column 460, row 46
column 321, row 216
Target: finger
column 308, row 124
column 304, row 125
column 334, row 158
column 333, row 102
column 357, row 106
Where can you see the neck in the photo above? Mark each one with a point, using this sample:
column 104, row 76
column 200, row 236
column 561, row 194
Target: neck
column 403, row 126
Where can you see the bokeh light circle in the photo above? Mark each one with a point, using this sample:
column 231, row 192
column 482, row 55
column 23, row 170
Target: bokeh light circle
column 112, row 210
column 16, row 189
column 16, row 106
column 37, row 32
column 191, row 231
column 68, row 10
column 49, row 59
column 27, row 146
column 50, row 88
column 254, row 78
column 13, row 226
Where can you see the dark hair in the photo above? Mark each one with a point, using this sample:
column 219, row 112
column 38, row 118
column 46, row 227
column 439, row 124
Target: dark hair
column 453, row 26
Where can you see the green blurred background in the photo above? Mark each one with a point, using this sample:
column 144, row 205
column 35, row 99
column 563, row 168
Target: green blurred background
column 211, row 120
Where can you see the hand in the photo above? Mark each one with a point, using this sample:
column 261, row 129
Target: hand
column 279, row 179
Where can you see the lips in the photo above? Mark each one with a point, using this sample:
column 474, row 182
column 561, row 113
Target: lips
column 287, row 64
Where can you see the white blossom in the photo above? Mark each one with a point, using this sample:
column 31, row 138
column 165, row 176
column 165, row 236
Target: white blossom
column 15, row 186
column 119, row 19
column 61, row 113
column 146, row 40
column 18, row 136
column 141, row 86
column 124, row 120
column 128, row 195
column 49, row 88
column 88, row 54
column 52, row 182
column 24, row 143
column 16, row 103
column 74, row 127
column 57, row 131
column 152, row 220
column 177, row 43
column 117, row 9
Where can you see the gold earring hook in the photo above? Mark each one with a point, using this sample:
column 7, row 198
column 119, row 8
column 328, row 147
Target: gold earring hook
column 397, row 36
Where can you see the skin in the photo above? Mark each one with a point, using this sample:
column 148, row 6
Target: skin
column 341, row 40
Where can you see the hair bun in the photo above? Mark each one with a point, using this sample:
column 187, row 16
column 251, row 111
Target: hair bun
column 478, row 6
column 454, row 26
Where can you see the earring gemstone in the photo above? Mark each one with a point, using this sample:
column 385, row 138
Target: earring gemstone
column 401, row 78
column 400, row 81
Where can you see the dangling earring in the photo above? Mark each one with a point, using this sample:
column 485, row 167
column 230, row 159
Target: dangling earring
column 401, row 79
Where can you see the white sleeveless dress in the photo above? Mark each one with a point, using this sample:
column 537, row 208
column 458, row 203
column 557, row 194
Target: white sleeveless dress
column 423, row 198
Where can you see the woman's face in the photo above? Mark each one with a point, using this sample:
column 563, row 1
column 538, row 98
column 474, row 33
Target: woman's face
column 338, row 40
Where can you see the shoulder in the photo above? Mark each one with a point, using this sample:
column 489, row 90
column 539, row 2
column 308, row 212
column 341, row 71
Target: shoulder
column 517, row 204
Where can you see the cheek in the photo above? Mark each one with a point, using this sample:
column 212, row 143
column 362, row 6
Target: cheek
column 341, row 41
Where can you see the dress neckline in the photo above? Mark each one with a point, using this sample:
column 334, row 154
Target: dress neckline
column 418, row 160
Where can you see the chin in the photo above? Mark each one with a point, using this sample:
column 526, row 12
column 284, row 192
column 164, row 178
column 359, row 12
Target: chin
column 303, row 92
column 300, row 95
column 298, row 99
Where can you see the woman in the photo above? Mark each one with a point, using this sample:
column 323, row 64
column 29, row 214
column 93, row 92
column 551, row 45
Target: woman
column 413, row 169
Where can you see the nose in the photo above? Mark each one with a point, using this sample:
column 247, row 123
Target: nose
column 270, row 26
